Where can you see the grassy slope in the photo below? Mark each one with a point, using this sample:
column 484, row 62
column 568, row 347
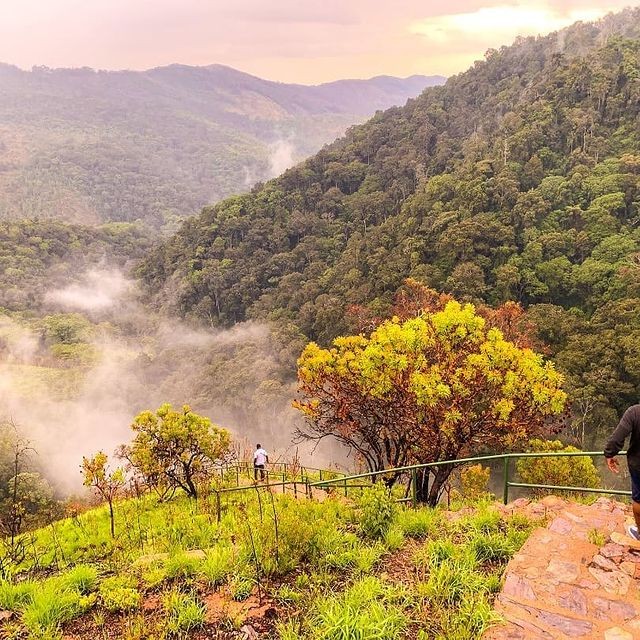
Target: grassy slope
column 329, row 570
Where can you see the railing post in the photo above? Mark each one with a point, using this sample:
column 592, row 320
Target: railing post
column 345, row 486
column 505, row 495
column 320, row 475
column 414, row 487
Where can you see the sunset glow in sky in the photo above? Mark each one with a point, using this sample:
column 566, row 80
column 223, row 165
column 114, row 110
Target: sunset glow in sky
column 287, row 40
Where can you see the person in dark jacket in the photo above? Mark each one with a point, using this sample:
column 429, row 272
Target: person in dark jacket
column 629, row 426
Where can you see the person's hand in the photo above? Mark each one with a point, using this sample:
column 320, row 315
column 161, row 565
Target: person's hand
column 613, row 465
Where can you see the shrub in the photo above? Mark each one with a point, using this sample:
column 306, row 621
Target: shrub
column 485, row 520
column 563, row 471
column 182, row 565
column 469, row 620
column 367, row 557
column 394, row 538
column 335, row 548
column 119, row 593
column 493, row 548
column 81, row 578
column 288, row 595
column 450, row 582
column 434, row 553
column 217, row 565
column 241, row 588
column 596, row 537
column 153, row 577
column 375, row 511
column 418, row 523
column 474, row 481
column 288, row 630
column 52, row 606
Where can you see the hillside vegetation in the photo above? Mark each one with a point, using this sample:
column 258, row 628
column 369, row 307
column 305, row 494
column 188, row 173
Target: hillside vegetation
column 285, row 568
column 91, row 146
column 39, row 256
column 516, row 180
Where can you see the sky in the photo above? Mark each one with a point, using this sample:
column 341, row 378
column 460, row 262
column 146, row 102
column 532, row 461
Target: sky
column 306, row 41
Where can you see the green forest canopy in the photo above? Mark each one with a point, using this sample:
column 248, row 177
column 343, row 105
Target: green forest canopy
column 516, row 180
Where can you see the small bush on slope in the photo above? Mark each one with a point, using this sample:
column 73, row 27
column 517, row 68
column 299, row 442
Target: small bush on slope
column 375, row 510
column 184, row 612
column 577, row 471
column 119, row 593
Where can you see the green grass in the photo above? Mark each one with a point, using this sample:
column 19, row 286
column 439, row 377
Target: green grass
column 14, row 597
column 184, row 612
column 327, row 573
column 52, row 603
column 367, row 610
column 217, row 565
column 419, row 523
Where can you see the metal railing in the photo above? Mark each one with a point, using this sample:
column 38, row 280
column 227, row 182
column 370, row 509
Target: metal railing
column 344, row 481
column 278, row 472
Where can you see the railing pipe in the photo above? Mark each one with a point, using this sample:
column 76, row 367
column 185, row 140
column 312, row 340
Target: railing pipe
column 505, row 493
column 344, row 479
column 614, row 492
column 498, row 456
column 414, row 488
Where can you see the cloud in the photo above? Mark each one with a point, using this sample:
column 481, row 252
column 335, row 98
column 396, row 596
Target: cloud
column 282, row 157
column 98, row 291
column 502, row 22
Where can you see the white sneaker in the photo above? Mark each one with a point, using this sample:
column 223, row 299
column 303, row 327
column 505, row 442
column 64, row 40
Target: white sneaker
column 633, row 532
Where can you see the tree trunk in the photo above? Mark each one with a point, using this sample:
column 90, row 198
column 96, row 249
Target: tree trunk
column 111, row 517
column 192, row 492
column 441, row 476
column 422, row 485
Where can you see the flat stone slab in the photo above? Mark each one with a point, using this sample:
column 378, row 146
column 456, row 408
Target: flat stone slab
column 561, row 585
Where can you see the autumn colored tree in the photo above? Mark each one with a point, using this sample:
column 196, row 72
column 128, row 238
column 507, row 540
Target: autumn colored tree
column 108, row 484
column 414, row 298
column 176, row 447
column 439, row 386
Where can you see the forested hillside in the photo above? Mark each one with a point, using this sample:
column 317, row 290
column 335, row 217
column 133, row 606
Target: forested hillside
column 38, row 256
column 94, row 146
column 516, row 180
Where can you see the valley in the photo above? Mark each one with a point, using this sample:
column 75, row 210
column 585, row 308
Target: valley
column 387, row 283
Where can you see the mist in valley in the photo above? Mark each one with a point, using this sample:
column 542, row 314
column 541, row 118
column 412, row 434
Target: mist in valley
column 242, row 378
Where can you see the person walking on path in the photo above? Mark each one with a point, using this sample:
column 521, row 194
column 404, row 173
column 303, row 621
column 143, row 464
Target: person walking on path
column 260, row 458
column 629, row 426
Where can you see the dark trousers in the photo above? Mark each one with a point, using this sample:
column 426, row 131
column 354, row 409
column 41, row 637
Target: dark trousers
column 258, row 468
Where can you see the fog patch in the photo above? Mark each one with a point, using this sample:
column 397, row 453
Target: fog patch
column 140, row 359
column 98, row 290
column 281, row 157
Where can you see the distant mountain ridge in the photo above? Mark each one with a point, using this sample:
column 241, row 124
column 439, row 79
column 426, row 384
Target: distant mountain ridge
column 94, row 146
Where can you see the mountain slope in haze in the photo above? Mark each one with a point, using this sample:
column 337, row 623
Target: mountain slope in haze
column 91, row 147
column 516, row 180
